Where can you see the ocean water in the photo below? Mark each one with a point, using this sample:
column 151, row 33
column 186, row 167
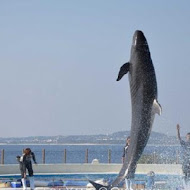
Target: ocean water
column 76, row 153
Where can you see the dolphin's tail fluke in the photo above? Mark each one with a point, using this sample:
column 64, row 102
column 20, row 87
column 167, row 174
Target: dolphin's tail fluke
column 99, row 186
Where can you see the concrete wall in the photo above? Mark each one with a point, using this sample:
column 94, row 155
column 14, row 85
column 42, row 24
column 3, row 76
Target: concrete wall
column 9, row 169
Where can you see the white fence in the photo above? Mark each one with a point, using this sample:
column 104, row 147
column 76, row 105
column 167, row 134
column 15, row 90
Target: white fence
column 10, row 169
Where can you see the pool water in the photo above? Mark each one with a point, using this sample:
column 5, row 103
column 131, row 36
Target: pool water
column 165, row 182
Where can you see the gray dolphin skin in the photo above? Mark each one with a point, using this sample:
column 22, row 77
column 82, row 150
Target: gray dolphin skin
column 143, row 88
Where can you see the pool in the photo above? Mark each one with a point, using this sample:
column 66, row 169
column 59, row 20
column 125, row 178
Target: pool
column 165, row 182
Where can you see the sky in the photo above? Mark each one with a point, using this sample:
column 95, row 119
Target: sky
column 59, row 62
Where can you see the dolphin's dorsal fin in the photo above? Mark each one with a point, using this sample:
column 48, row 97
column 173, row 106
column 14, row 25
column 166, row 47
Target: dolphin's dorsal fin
column 157, row 107
column 123, row 70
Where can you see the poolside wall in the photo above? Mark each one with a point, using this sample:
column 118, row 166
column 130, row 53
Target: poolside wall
column 91, row 168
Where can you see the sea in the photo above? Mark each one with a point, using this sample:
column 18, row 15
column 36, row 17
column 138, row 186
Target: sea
column 88, row 152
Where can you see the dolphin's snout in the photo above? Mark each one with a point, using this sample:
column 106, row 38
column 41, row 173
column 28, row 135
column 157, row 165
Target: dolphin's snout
column 139, row 38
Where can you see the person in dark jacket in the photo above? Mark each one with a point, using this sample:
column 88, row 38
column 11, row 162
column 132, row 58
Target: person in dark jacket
column 128, row 182
column 25, row 162
column 125, row 148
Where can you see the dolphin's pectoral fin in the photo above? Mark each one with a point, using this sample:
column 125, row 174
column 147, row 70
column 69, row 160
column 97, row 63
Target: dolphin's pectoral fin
column 123, row 70
column 157, row 107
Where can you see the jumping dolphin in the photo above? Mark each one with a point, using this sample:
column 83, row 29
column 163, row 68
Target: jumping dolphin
column 143, row 88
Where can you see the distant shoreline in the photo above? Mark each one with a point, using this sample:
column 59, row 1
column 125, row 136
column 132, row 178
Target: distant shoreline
column 114, row 139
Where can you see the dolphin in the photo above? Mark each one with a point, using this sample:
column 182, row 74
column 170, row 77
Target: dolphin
column 144, row 103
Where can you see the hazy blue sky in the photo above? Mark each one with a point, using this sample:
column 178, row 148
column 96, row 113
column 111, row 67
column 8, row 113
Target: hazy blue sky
column 59, row 62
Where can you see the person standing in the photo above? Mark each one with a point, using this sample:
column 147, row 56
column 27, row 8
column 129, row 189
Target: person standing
column 150, row 180
column 25, row 162
column 125, row 148
column 186, row 154
column 128, row 182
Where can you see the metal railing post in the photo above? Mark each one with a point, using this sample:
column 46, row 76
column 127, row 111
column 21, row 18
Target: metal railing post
column 86, row 156
column 43, row 156
column 109, row 156
column 154, row 157
column 2, row 156
column 65, row 156
column 177, row 157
